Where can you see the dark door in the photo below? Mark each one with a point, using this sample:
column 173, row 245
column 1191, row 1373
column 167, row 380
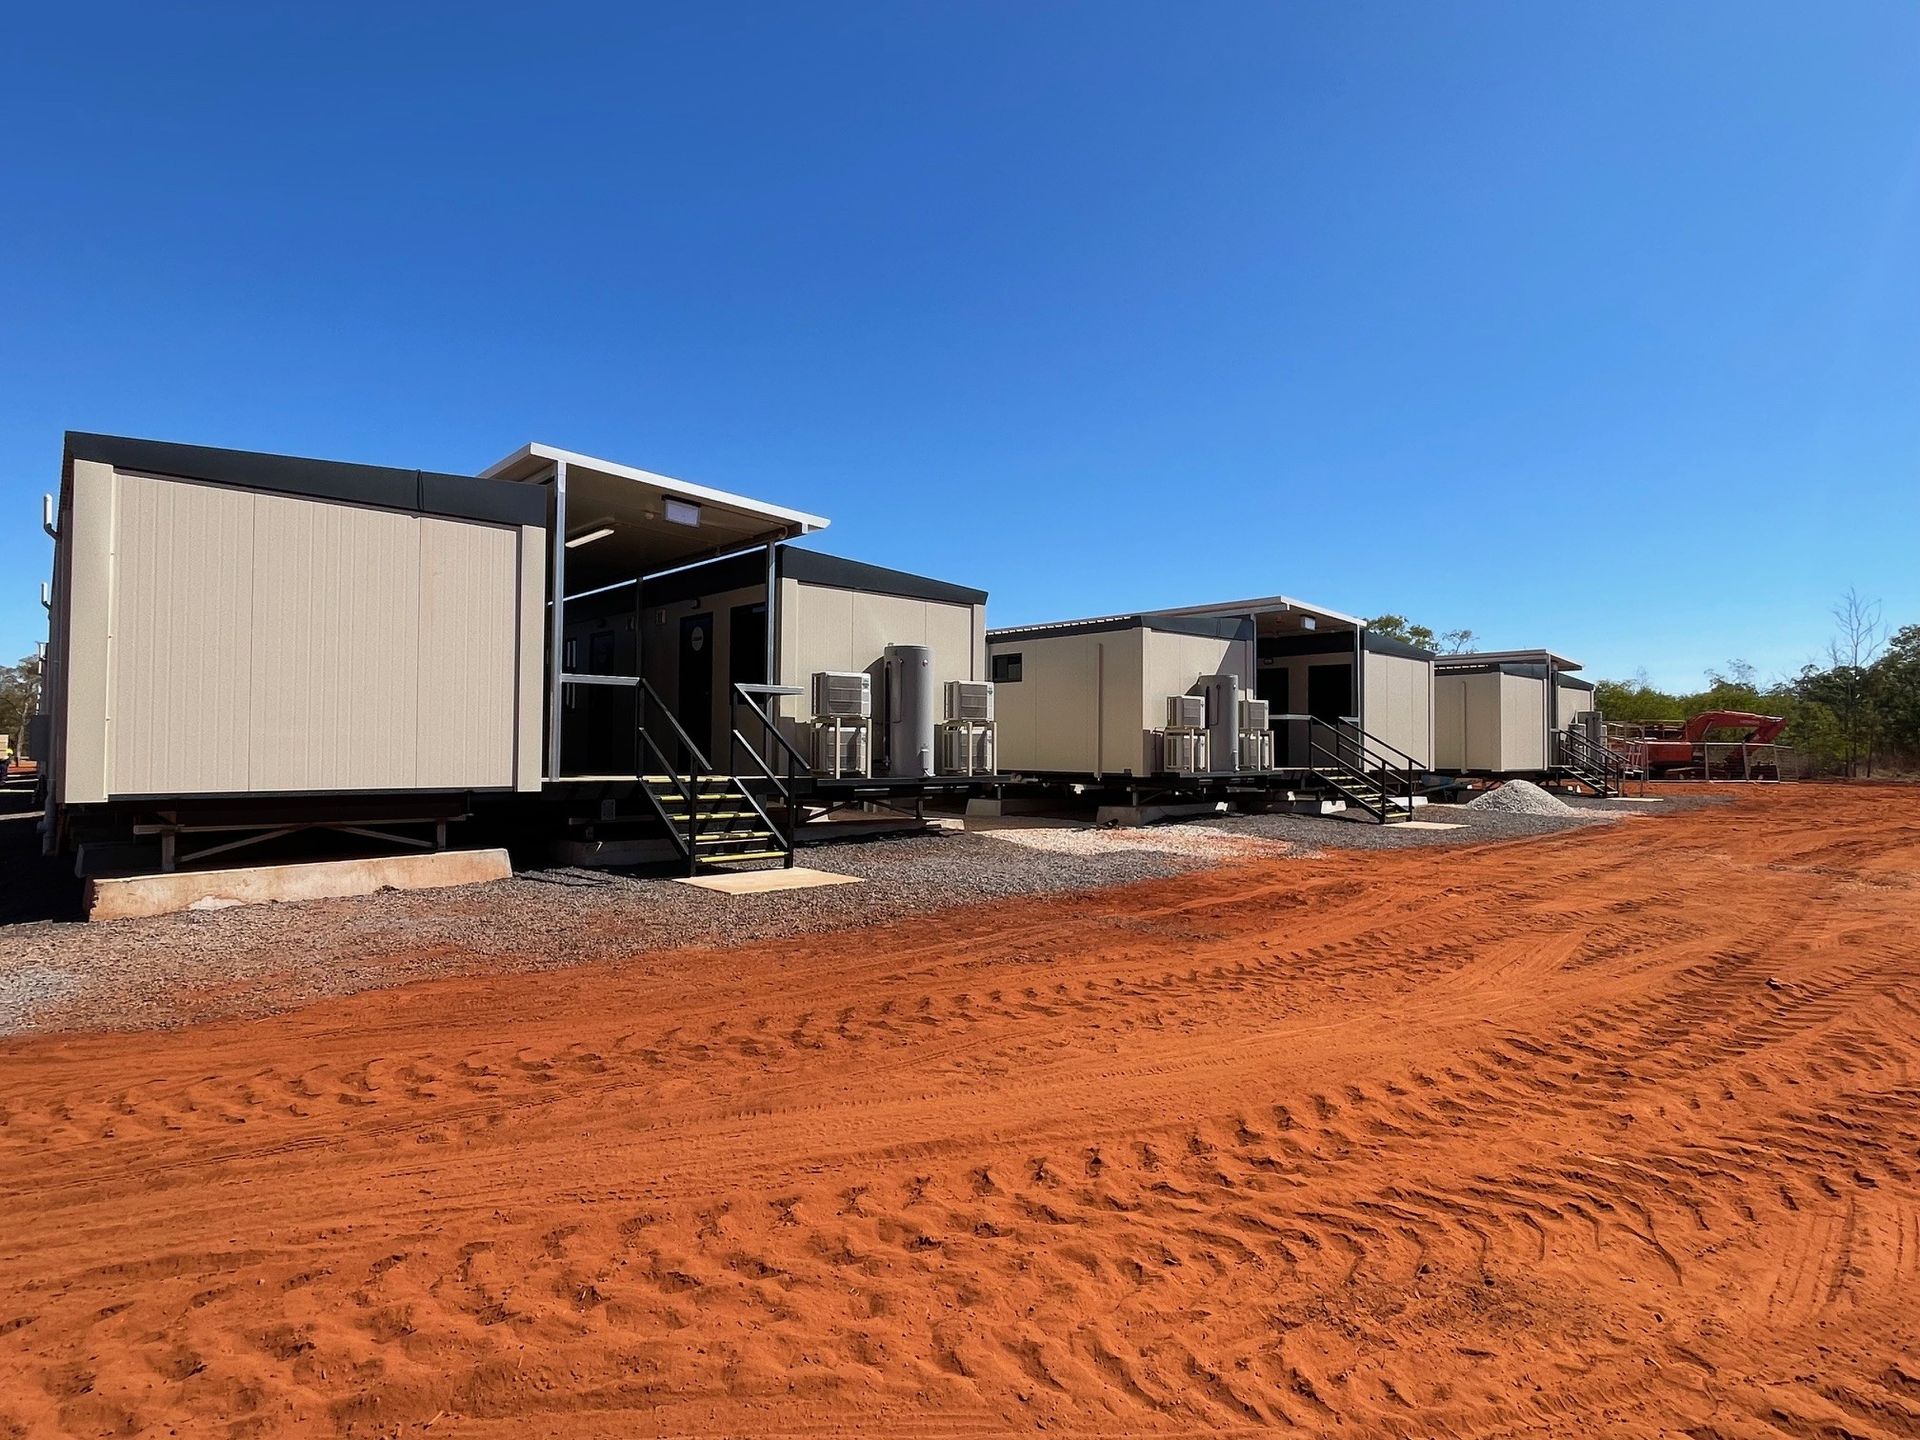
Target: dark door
column 695, row 711
column 1329, row 691
column 746, row 646
column 1271, row 686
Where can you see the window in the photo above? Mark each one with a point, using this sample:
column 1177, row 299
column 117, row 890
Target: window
column 1006, row 668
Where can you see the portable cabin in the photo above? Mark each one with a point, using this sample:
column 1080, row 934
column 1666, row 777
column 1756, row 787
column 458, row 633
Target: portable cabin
column 1496, row 713
column 1311, row 660
column 235, row 634
column 1088, row 699
column 254, row 644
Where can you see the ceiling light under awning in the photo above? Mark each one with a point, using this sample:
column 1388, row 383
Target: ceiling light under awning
column 586, row 537
column 682, row 512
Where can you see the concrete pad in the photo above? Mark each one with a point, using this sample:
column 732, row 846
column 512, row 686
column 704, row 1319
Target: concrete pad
column 1427, row 825
column 761, row 882
column 1131, row 816
column 1632, row 799
column 139, row 896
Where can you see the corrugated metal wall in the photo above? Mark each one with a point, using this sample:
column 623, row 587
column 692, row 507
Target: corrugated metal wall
column 267, row 643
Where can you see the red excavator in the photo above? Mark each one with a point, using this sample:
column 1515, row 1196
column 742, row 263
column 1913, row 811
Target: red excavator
column 1670, row 750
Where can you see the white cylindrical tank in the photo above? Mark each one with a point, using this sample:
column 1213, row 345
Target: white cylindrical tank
column 910, row 710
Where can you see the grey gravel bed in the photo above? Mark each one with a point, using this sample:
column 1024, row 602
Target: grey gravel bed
column 177, row 969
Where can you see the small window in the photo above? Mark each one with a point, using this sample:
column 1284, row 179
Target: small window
column 1006, row 668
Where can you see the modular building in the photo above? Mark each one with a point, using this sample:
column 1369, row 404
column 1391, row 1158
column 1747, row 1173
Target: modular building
column 1311, row 660
column 1089, row 698
column 1498, row 713
column 227, row 626
column 247, row 645
column 1094, row 697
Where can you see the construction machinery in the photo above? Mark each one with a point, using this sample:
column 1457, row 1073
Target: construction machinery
column 1713, row 745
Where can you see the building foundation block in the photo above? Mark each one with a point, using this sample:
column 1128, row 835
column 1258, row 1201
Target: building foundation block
column 138, row 896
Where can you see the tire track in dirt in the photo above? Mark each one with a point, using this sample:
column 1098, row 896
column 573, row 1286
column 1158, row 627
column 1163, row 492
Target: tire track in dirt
column 1462, row 1143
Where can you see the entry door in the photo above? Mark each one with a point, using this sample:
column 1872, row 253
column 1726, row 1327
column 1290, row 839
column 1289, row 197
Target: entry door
column 1329, row 691
column 696, row 680
column 1289, row 746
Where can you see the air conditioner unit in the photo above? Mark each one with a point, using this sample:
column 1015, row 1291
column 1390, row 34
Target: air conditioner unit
column 842, row 745
column 1186, row 712
column 1183, row 751
column 967, row 748
column 1256, row 749
column 843, row 693
column 1253, row 715
column 969, row 700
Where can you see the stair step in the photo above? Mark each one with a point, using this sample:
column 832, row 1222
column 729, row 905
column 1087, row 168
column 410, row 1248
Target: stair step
column 738, row 837
column 738, row 855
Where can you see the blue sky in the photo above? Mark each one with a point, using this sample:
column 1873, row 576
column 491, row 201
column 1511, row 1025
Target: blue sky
column 1588, row 325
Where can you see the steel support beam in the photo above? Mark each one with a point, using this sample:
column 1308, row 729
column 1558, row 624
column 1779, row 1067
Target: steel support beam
column 557, row 619
column 773, row 612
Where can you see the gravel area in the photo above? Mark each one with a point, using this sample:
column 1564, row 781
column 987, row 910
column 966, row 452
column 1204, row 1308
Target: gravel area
column 180, row 969
column 1315, row 834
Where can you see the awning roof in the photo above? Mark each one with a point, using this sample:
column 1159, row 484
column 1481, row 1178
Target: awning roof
column 1507, row 657
column 1267, row 605
column 628, row 507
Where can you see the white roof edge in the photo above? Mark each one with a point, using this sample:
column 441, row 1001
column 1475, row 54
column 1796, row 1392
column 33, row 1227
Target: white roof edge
column 1509, row 657
column 1258, row 606
column 804, row 522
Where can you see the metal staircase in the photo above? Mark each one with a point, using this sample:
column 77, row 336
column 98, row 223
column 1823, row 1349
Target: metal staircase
column 713, row 819
column 1595, row 766
column 1362, row 769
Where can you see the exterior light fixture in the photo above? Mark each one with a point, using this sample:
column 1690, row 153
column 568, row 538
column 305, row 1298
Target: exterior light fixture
column 588, row 536
column 683, row 512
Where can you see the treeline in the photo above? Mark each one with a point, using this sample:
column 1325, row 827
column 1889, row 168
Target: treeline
column 1857, row 714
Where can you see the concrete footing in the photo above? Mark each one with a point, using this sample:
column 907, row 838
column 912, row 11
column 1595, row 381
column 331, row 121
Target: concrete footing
column 135, row 896
column 983, row 808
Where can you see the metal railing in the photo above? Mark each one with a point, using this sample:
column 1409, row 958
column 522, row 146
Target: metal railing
column 686, row 783
column 1384, row 785
column 796, row 763
column 1599, row 766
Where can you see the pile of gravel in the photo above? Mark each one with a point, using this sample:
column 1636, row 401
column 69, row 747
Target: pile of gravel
column 1521, row 797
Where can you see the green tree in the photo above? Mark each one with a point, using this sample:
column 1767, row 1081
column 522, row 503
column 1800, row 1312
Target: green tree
column 1898, row 688
column 1398, row 627
column 19, row 699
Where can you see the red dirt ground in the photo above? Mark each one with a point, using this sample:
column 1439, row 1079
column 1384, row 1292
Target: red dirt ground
column 1615, row 1132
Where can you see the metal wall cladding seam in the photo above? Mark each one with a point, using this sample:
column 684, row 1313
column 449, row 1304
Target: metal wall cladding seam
column 181, row 612
column 335, row 647
column 469, row 580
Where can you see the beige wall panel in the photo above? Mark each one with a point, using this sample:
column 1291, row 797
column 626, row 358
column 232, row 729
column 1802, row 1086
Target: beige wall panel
column 1052, row 718
column 1483, row 726
column 468, row 643
column 80, row 628
column 183, row 615
column 1450, row 722
column 530, row 667
column 1522, row 722
column 1571, row 701
column 336, row 647
column 1119, row 673
column 1399, row 703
